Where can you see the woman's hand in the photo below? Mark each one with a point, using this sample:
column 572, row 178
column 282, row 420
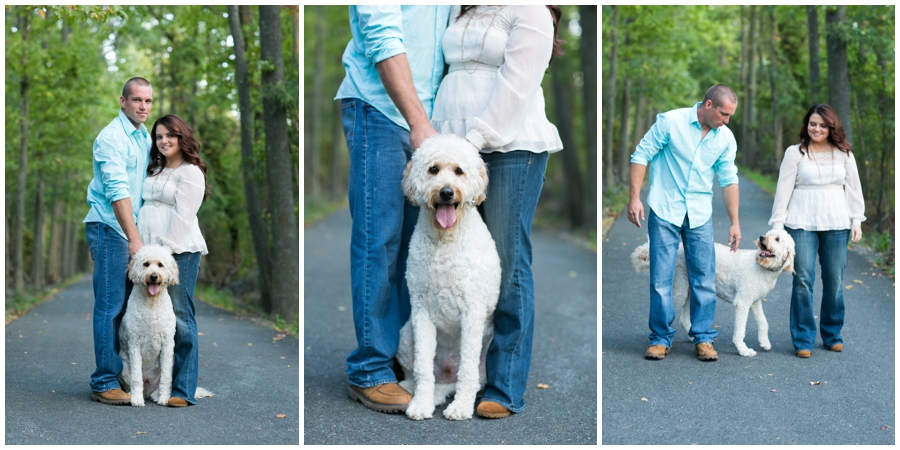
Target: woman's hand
column 855, row 233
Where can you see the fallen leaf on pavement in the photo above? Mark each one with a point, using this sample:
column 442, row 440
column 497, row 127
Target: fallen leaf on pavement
column 858, row 281
column 279, row 337
column 644, row 399
column 543, row 385
column 815, row 383
column 280, row 416
column 141, row 432
column 849, row 286
column 773, row 390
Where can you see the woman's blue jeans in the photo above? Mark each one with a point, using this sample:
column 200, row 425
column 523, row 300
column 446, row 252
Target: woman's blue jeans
column 700, row 257
column 185, row 368
column 383, row 222
column 514, row 186
column 831, row 248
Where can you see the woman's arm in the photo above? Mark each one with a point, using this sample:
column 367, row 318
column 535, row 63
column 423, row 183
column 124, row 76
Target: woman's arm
column 787, row 178
column 855, row 202
column 526, row 58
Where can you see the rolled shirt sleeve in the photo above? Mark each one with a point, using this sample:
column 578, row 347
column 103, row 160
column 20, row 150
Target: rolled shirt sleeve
column 381, row 29
column 655, row 140
column 112, row 159
column 724, row 166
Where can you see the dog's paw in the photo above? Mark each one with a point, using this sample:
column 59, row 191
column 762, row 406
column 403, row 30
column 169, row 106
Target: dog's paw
column 459, row 411
column 137, row 400
column 765, row 345
column 162, row 401
column 419, row 410
column 746, row 351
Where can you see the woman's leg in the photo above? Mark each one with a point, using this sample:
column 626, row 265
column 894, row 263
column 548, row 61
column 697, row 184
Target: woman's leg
column 515, row 181
column 833, row 259
column 185, row 368
column 803, row 320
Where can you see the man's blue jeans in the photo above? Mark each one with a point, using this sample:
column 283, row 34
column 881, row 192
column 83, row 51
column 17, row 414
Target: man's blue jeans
column 383, row 222
column 831, row 247
column 185, row 370
column 700, row 257
column 515, row 181
column 109, row 250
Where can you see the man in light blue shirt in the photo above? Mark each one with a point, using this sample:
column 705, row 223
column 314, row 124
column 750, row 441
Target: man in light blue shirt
column 394, row 66
column 120, row 155
column 686, row 147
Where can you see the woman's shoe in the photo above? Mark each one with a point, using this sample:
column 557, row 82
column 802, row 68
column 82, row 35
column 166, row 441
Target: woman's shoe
column 492, row 410
column 804, row 353
column 837, row 347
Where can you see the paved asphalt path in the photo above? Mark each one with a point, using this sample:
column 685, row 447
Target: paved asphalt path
column 765, row 399
column 564, row 355
column 50, row 358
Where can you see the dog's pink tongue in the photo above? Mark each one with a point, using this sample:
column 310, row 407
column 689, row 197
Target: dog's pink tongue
column 446, row 215
column 154, row 289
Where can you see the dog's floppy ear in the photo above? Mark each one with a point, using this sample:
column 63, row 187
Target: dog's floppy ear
column 409, row 186
column 789, row 262
column 483, row 175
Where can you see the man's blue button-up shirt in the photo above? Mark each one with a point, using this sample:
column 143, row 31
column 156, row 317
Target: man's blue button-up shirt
column 381, row 32
column 682, row 165
column 121, row 154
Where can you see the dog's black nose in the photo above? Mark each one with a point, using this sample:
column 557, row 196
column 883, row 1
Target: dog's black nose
column 154, row 277
column 762, row 238
column 446, row 193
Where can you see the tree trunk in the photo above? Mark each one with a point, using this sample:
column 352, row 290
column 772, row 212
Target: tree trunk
column 750, row 150
column 314, row 150
column 37, row 244
column 250, row 173
column 624, row 119
column 562, row 111
column 776, row 119
column 55, row 261
column 745, row 119
column 640, row 113
column 812, row 20
column 609, row 99
column 588, row 48
column 838, row 75
column 337, row 139
column 18, row 233
column 285, row 230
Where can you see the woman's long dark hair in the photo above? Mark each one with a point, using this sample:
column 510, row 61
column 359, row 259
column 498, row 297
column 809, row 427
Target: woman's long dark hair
column 555, row 11
column 836, row 135
column 188, row 144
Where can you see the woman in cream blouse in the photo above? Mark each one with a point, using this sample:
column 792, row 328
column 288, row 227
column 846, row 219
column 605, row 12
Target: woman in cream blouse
column 492, row 96
column 174, row 189
column 819, row 202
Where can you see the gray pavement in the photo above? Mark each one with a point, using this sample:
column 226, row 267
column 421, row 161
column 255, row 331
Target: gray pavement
column 50, row 357
column 766, row 399
column 564, row 355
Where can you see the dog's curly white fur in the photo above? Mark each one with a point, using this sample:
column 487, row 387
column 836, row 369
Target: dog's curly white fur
column 147, row 331
column 453, row 273
column 743, row 278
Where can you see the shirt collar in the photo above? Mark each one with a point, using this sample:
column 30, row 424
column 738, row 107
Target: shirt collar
column 696, row 120
column 129, row 127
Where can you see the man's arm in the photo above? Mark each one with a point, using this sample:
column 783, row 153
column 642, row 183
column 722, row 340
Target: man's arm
column 125, row 217
column 731, row 195
column 397, row 79
column 635, row 207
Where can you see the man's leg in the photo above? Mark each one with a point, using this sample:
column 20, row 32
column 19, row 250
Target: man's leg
column 700, row 258
column 664, row 240
column 109, row 251
column 382, row 223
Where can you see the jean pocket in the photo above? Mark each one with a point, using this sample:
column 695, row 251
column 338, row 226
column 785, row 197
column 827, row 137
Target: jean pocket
column 91, row 233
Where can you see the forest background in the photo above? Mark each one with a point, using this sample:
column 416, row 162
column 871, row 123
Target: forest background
column 569, row 196
column 232, row 73
column 780, row 60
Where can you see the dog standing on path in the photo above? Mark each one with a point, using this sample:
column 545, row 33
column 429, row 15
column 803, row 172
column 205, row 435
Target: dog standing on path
column 453, row 273
column 743, row 278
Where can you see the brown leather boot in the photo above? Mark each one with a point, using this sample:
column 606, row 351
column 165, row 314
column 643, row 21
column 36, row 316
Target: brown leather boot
column 386, row 398
column 492, row 410
column 177, row 402
column 657, row 352
column 112, row 397
column 837, row 348
column 706, row 352
column 804, row 353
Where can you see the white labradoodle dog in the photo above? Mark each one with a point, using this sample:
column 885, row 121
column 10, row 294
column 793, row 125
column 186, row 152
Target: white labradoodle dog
column 453, row 273
column 743, row 278
column 147, row 332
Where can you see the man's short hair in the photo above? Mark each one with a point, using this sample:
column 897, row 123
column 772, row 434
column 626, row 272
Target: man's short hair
column 136, row 81
column 720, row 93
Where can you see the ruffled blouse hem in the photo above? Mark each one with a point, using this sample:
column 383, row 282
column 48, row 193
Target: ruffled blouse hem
column 533, row 137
